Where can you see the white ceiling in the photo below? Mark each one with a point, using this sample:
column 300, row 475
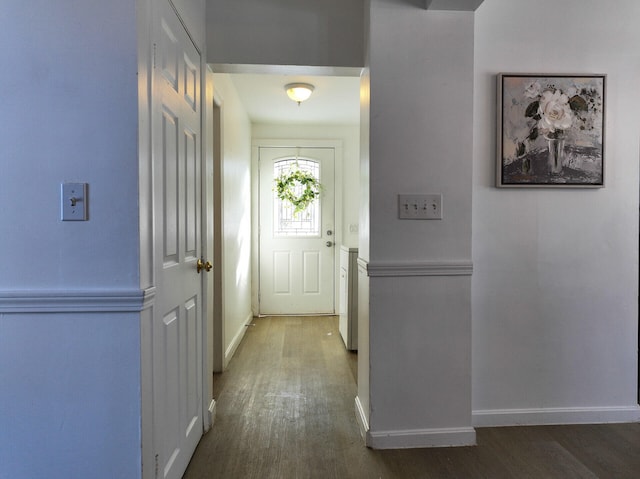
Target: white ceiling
column 335, row 100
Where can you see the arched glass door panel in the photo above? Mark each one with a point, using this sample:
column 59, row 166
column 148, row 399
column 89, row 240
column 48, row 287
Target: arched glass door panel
column 286, row 221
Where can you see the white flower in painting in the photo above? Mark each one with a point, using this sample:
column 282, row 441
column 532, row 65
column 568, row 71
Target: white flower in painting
column 555, row 111
column 533, row 89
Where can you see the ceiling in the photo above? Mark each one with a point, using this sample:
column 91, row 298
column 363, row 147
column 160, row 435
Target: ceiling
column 335, row 100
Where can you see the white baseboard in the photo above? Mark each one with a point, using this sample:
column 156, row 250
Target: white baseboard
column 212, row 413
column 237, row 339
column 416, row 438
column 361, row 418
column 550, row 416
column 412, row 438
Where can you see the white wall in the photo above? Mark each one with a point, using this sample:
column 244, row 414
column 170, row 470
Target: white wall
column 70, row 394
column 69, row 114
column 421, row 103
column 285, row 32
column 236, row 172
column 191, row 13
column 349, row 136
column 555, row 272
column 555, row 284
column 70, row 400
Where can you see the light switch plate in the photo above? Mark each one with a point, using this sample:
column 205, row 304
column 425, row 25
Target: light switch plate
column 73, row 201
column 420, row 207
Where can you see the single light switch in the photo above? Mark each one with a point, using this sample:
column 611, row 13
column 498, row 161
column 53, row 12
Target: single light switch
column 73, row 201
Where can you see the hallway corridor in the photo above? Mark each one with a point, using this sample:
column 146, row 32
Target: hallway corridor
column 285, row 410
column 285, row 405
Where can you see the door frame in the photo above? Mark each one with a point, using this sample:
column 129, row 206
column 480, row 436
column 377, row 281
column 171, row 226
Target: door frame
column 255, row 206
column 212, row 298
column 215, row 149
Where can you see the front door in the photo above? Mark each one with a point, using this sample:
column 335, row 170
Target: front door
column 177, row 315
column 296, row 247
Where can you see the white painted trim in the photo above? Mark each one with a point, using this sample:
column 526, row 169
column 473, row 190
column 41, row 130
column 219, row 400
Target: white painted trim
column 149, row 297
column 296, row 143
column 146, row 393
column 415, row 438
column 237, row 339
column 145, row 13
column 305, row 70
column 362, row 264
column 453, row 5
column 551, row 416
column 219, row 326
column 207, row 250
column 361, row 418
column 429, row 268
column 75, row 301
column 211, row 415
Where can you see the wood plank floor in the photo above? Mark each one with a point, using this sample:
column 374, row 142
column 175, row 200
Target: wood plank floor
column 285, row 409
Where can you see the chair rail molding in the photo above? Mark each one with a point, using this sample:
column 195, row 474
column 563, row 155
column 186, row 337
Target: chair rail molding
column 76, row 301
column 427, row 268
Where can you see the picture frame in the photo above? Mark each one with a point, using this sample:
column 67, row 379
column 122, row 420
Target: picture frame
column 551, row 130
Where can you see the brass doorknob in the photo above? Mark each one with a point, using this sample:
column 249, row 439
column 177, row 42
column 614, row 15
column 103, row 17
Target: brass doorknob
column 206, row 266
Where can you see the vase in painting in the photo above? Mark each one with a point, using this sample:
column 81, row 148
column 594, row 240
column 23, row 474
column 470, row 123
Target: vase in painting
column 556, row 154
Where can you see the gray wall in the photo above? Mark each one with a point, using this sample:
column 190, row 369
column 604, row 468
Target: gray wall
column 555, row 283
column 555, row 286
column 69, row 332
column 555, row 272
column 285, row 32
column 421, row 100
column 69, row 115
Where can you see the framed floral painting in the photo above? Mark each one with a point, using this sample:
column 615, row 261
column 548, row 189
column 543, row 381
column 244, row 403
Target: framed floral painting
column 550, row 130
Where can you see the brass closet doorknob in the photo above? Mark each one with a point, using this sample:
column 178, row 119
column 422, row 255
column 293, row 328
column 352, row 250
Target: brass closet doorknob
column 206, row 266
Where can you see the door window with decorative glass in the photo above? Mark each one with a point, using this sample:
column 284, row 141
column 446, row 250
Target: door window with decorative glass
column 296, row 205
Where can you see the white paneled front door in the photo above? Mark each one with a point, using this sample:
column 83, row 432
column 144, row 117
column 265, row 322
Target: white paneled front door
column 296, row 248
column 177, row 315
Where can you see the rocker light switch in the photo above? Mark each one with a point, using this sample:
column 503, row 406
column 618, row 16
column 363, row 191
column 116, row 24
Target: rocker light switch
column 73, row 201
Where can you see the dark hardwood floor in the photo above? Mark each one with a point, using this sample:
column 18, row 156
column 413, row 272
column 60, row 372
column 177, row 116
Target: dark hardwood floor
column 285, row 409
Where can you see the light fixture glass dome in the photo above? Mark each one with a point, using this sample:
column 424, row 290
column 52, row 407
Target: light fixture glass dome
column 299, row 92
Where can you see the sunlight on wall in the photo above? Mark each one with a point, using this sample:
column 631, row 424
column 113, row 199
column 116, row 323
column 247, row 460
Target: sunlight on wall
column 243, row 240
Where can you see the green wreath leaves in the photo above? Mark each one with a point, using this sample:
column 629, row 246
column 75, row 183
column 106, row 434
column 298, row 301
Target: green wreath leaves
column 286, row 186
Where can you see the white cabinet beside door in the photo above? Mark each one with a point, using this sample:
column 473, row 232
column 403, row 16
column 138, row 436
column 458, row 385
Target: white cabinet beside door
column 348, row 322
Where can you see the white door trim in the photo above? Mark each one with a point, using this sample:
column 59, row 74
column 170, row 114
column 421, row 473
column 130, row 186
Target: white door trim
column 216, row 130
column 208, row 245
column 255, row 219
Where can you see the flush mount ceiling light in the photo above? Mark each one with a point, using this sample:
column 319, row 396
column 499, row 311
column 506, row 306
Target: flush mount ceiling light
column 299, row 92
